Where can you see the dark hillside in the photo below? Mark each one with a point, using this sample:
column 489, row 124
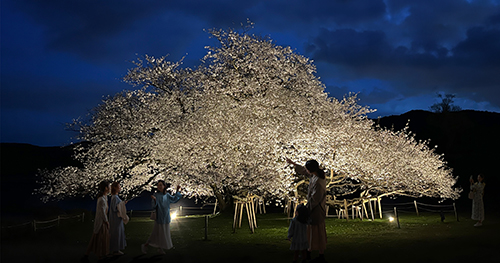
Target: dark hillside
column 19, row 165
column 468, row 139
column 26, row 158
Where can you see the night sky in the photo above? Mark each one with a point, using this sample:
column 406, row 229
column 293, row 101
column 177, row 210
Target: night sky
column 60, row 58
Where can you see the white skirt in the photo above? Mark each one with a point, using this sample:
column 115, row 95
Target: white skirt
column 160, row 237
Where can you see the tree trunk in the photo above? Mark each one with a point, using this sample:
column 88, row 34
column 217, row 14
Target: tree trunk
column 224, row 198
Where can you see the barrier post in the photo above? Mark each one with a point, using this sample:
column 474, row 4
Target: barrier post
column 364, row 209
column 416, row 208
column 249, row 215
column 206, row 227
column 455, row 209
column 346, row 210
column 397, row 216
column 254, row 216
column 379, row 207
column 371, row 209
column 235, row 217
column 241, row 213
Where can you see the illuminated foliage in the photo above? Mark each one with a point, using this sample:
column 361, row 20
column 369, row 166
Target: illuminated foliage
column 226, row 127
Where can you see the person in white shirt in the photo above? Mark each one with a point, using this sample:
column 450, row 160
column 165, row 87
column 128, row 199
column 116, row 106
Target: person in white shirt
column 99, row 243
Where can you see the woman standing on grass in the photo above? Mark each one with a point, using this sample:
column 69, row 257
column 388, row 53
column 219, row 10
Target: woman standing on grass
column 99, row 243
column 477, row 200
column 316, row 202
column 160, row 237
column 117, row 240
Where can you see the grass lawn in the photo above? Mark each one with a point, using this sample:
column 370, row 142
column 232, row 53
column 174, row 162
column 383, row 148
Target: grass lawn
column 420, row 239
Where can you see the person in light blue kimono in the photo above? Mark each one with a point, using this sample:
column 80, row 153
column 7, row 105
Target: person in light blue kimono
column 117, row 240
column 160, row 237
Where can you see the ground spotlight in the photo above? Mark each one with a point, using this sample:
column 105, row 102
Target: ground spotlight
column 173, row 215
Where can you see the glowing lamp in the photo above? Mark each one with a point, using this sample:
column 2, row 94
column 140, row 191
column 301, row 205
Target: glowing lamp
column 391, row 219
column 173, row 215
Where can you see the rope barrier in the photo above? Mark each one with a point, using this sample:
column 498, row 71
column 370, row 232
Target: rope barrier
column 437, row 211
column 36, row 223
column 41, row 228
column 70, row 217
column 180, row 210
column 398, row 205
column 403, row 211
column 200, row 216
column 360, row 211
column 45, row 222
column 19, row 225
column 435, row 205
column 193, row 208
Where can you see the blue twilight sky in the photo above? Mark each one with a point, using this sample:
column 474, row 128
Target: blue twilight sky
column 59, row 58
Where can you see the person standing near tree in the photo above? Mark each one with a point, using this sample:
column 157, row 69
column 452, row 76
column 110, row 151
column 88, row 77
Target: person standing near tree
column 316, row 202
column 160, row 237
column 99, row 243
column 297, row 233
column 117, row 240
column 477, row 190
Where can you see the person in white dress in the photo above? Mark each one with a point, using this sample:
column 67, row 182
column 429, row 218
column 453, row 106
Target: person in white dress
column 99, row 243
column 477, row 190
column 160, row 237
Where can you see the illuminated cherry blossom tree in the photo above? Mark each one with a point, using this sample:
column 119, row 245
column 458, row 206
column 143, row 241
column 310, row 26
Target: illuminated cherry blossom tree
column 225, row 128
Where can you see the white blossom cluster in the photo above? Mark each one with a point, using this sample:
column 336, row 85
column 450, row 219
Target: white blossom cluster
column 227, row 127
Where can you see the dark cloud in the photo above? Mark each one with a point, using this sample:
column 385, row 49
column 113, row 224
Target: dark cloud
column 425, row 65
column 493, row 20
column 36, row 127
column 481, row 48
column 289, row 13
column 100, row 30
column 337, row 91
column 349, row 47
column 50, row 95
column 97, row 30
column 60, row 57
column 377, row 95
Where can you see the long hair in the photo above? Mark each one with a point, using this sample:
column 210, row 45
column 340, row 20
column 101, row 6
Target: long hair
column 114, row 187
column 302, row 213
column 313, row 166
column 164, row 184
column 482, row 177
column 102, row 187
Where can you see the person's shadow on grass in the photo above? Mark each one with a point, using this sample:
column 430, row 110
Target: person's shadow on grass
column 144, row 259
column 109, row 259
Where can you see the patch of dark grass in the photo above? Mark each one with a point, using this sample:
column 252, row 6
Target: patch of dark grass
column 421, row 238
